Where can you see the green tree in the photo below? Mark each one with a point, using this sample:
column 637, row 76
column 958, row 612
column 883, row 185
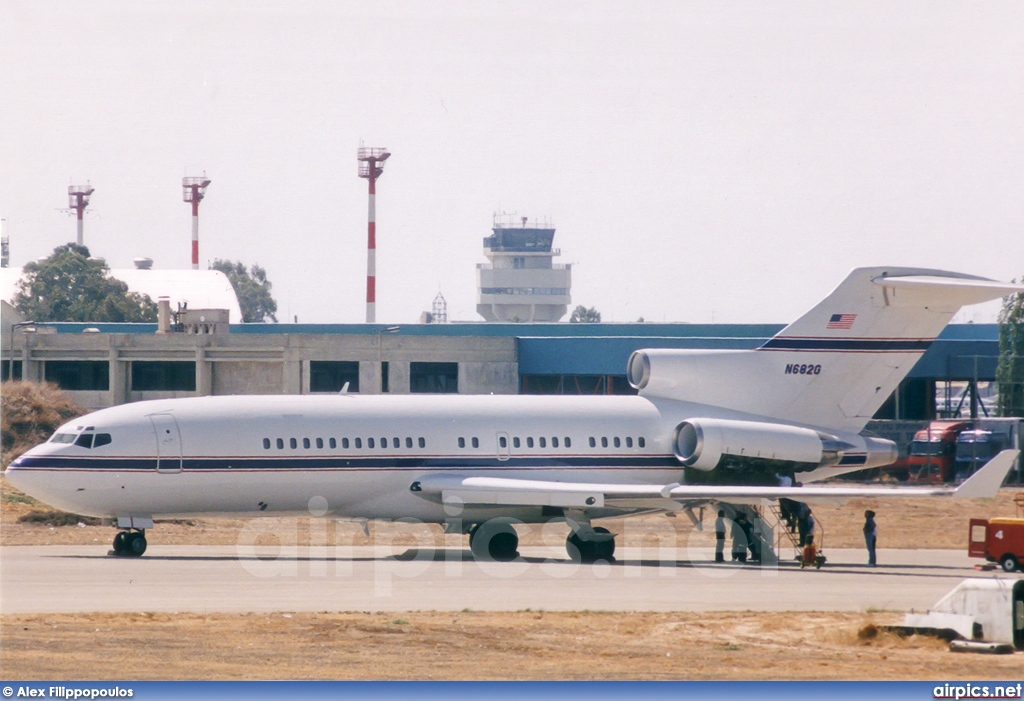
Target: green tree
column 1010, row 371
column 68, row 286
column 582, row 315
column 252, row 289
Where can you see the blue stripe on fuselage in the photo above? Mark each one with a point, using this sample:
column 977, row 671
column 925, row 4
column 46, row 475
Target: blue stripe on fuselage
column 337, row 462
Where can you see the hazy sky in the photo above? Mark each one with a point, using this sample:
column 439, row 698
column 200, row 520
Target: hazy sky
column 726, row 161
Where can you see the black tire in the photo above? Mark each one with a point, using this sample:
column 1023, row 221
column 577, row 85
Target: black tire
column 120, row 542
column 494, row 540
column 589, row 550
column 136, row 544
column 1009, row 562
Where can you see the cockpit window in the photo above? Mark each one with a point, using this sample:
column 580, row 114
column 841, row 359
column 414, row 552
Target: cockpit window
column 101, row 439
column 63, row 438
column 84, row 440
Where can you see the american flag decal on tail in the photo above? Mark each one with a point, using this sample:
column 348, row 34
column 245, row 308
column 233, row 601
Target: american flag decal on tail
column 841, row 321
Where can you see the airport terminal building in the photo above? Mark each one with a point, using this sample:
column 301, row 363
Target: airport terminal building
column 104, row 364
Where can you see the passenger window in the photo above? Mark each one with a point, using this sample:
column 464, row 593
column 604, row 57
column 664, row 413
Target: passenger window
column 568, row 443
column 640, row 441
column 319, row 442
column 359, row 443
column 305, row 442
column 280, row 444
column 529, row 442
column 408, row 442
column 334, row 444
column 423, row 442
column 502, row 441
column 554, row 441
column 604, row 442
column 593, row 443
column 476, row 442
column 543, row 442
column 101, row 439
column 266, row 444
column 293, row 443
column 396, row 443
column 462, row 442
column 515, row 442
column 84, row 440
column 383, row 442
column 369, row 443
column 617, row 442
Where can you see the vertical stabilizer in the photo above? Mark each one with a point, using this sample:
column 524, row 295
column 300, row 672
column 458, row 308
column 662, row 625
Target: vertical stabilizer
column 834, row 366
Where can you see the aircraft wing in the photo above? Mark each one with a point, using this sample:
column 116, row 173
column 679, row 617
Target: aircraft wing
column 494, row 491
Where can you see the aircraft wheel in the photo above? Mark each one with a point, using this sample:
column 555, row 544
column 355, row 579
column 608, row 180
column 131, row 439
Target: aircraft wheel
column 1009, row 562
column 136, row 544
column 120, row 542
column 494, row 540
column 591, row 549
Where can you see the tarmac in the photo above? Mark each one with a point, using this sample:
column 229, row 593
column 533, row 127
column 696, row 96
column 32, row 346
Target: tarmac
column 232, row 579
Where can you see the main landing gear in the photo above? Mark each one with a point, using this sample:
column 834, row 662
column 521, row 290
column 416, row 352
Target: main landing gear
column 590, row 545
column 496, row 540
column 130, row 543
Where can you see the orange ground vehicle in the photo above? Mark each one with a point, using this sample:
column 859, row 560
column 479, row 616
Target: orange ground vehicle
column 998, row 540
column 933, row 452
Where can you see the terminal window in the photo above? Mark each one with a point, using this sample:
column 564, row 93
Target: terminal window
column 164, row 375
column 11, row 370
column 331, row 375
column 434, row 378
column 79, row 374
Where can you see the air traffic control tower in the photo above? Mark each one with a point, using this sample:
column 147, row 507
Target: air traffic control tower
column 521, row 283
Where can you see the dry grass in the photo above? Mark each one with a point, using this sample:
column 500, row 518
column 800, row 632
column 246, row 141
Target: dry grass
column 29, row 413
column 477, row 645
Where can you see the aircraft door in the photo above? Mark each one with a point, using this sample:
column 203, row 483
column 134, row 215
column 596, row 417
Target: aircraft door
column 168, row 443
column 503, row 446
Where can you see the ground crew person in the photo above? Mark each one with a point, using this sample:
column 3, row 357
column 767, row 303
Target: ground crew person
column 870, row 535
column 739, row 539
column 720, row 537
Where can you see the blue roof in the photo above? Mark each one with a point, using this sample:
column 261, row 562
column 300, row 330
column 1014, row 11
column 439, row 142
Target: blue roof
column 603, row 349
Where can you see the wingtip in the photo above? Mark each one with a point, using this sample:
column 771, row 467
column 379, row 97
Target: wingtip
column 986, row 481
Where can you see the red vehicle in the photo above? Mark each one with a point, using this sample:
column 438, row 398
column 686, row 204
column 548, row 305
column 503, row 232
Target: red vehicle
column 932, row 456
column 998, row 540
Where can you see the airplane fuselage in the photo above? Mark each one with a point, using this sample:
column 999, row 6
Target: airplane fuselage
column 264, row 455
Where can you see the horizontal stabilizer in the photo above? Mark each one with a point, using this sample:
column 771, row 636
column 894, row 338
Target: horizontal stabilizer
column 987, row 480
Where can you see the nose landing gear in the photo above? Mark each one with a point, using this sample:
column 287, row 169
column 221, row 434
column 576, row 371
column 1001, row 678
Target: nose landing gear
column 130, row 543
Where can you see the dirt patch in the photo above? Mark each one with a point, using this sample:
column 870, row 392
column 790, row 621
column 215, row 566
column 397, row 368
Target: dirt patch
column 477, row 645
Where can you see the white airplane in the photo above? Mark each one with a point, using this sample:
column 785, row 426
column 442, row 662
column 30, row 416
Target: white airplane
column 707, row 426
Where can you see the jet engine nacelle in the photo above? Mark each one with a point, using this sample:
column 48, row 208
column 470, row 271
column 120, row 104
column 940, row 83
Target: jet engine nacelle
column 701, row 443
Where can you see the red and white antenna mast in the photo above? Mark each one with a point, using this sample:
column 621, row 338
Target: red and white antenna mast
column 78, row 200
column 194, row 190
column 371, row 167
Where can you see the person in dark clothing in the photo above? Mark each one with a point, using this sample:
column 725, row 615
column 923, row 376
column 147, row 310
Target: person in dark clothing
column 805, row 524
column 739, row 539
column 870, row 535
column 720, row 537
column 753, row 543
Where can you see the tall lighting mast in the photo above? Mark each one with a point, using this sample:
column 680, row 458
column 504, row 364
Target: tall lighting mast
column 371, row 167
column 194, row 190
column 78, row 200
